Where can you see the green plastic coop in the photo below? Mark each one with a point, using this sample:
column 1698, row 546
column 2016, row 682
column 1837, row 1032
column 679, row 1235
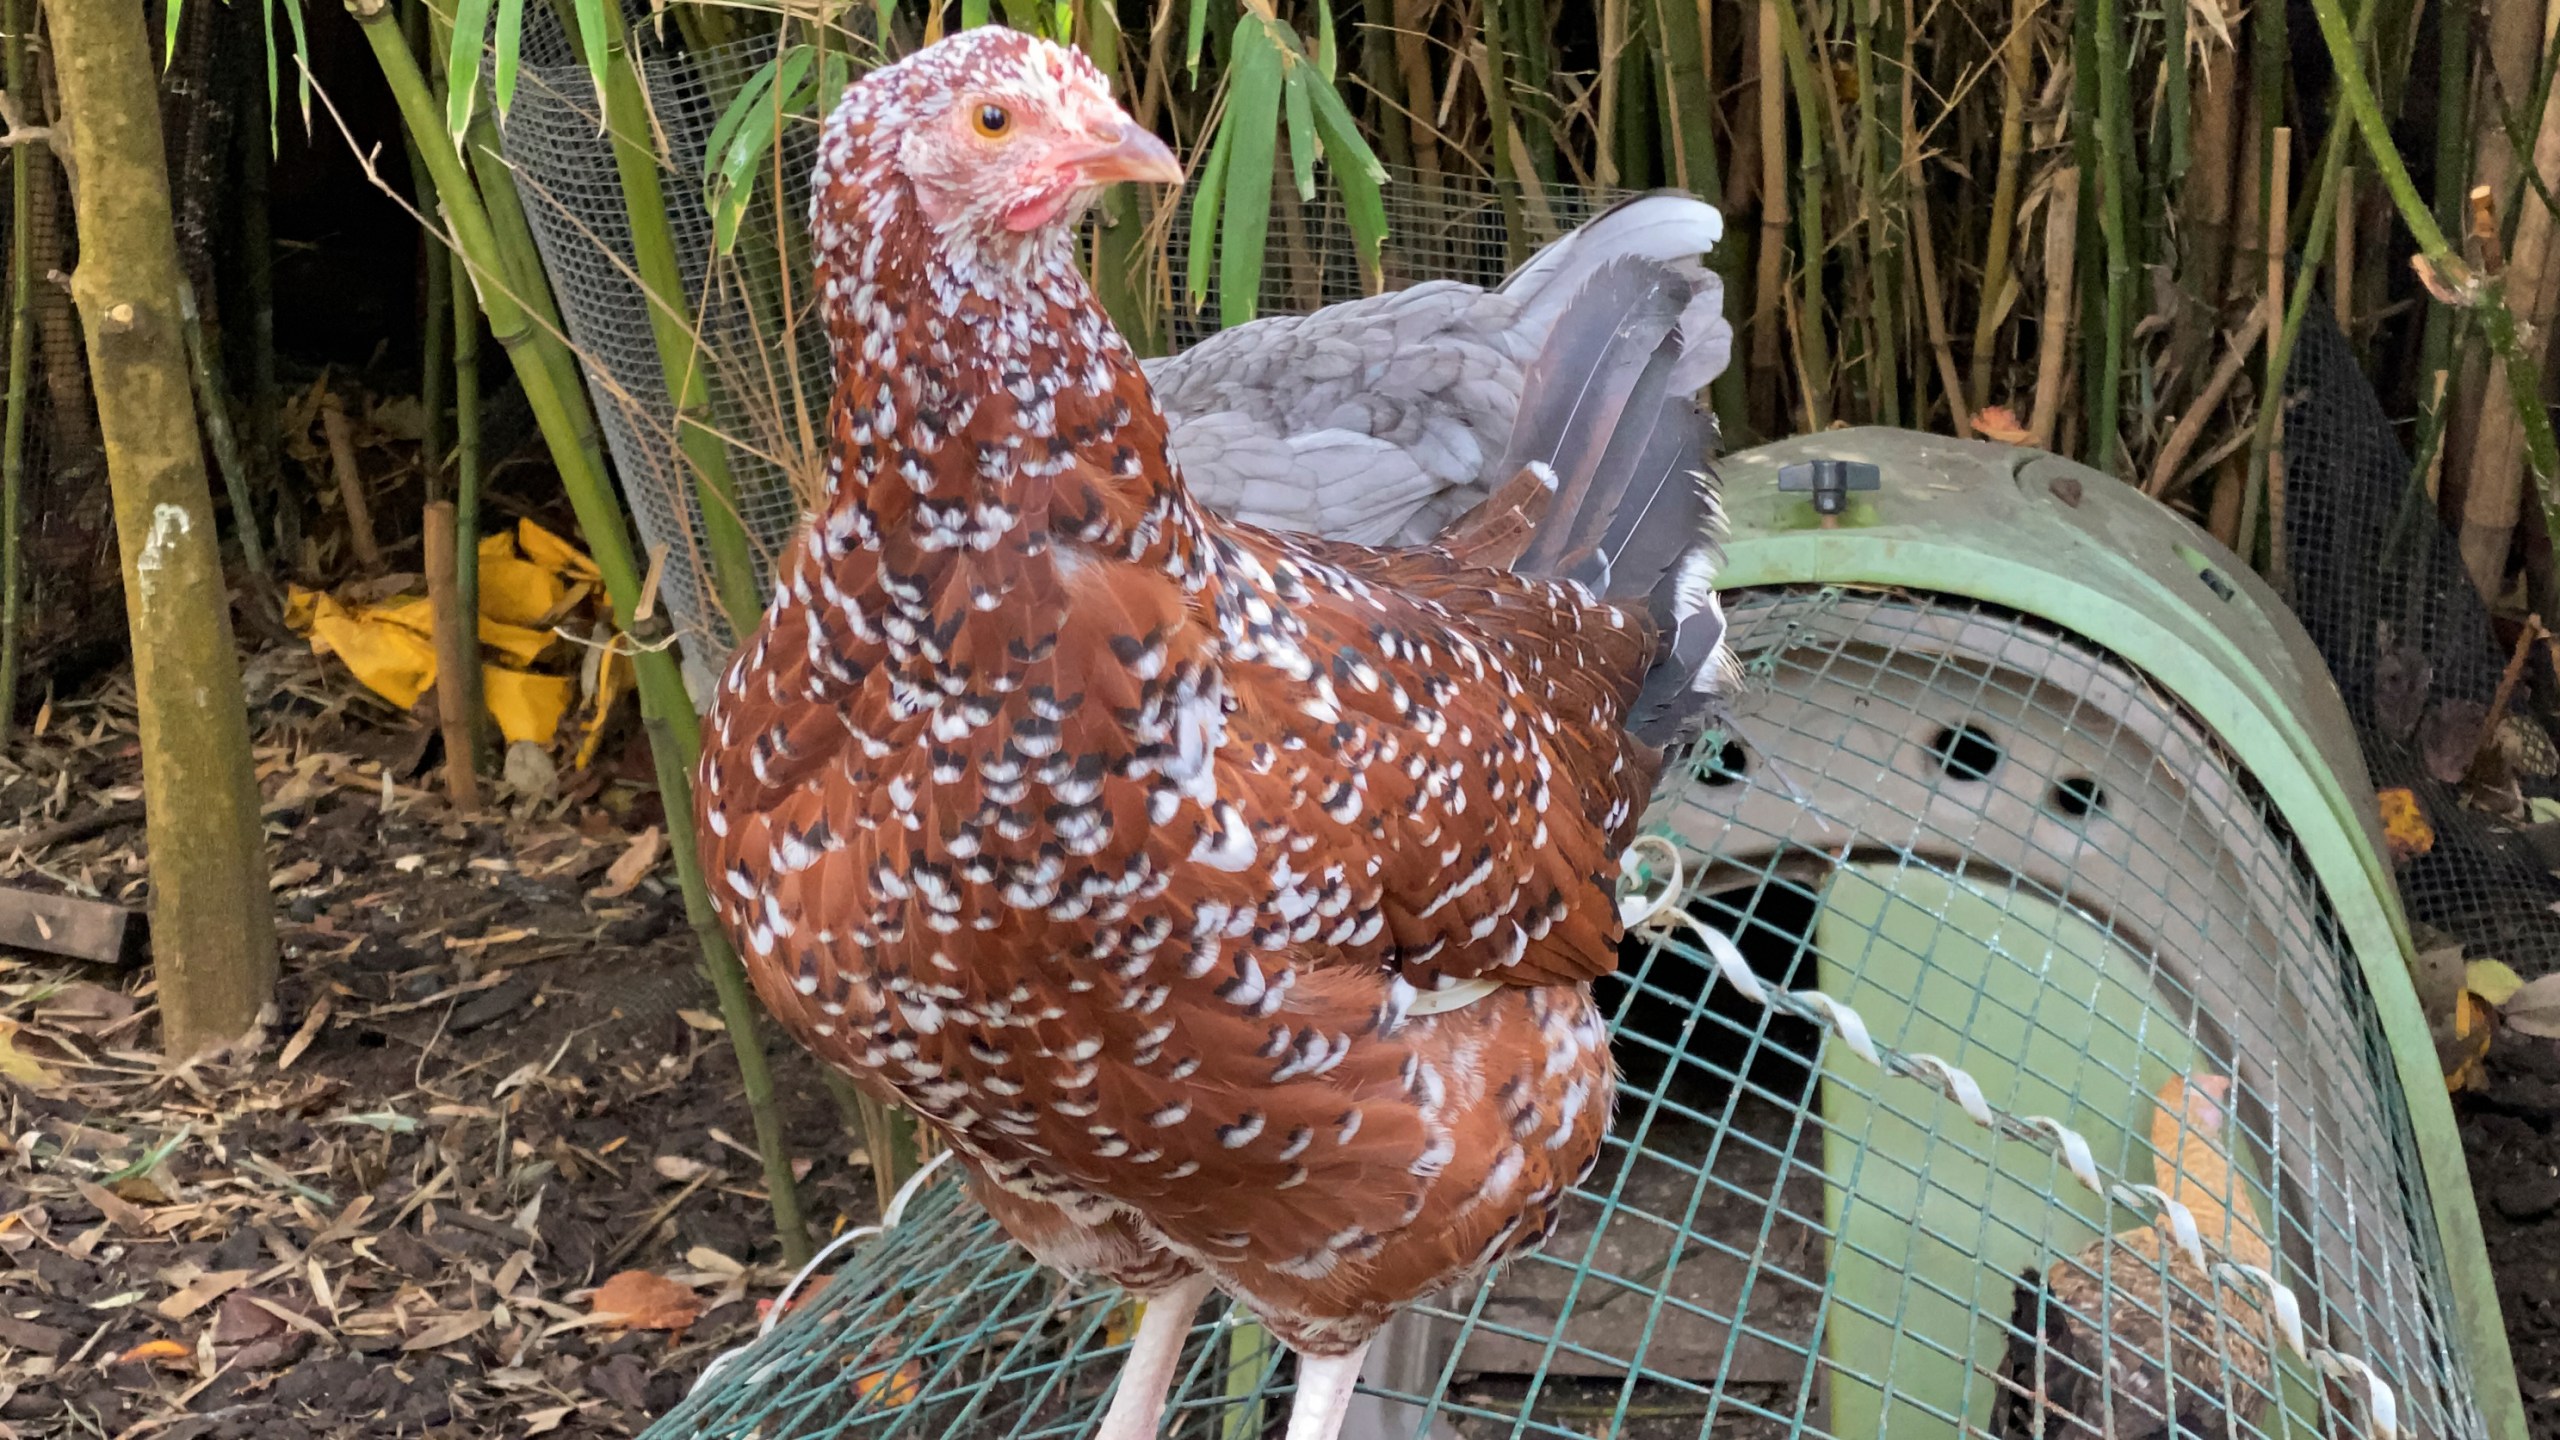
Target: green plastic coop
column 2035, row 799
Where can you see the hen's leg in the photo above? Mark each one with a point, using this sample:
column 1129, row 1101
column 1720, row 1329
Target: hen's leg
column 1146, row 1377
column 1324, row 1394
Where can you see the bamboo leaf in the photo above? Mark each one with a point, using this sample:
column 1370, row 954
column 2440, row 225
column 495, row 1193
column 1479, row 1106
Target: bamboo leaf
column 1199, row 32
column 1324, row 56
column 973, row 13
column 883, row 11
column 592, row 39
column 510, row 48
column 169, row 37
column 1204, row 215
column 1357, row 171
column 301, row 47
column 462, row 65
column 743, row 136
column 1254, row 83
column 1302, row 138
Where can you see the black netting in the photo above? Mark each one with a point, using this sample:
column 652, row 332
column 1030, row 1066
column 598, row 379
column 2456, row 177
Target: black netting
column 2379, row 584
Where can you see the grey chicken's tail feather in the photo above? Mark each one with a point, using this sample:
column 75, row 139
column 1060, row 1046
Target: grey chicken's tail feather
column 1610, row 406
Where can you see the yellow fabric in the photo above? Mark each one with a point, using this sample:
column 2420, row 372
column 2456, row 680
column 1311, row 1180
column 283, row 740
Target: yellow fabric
column 527, row 576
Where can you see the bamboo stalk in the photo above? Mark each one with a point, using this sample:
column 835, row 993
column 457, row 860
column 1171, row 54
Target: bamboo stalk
column 1613, row 44
column 342, row 463
column 1497, row 107
column 264, row 422
column 2342, row 266
column 457, row 643
column 1925, row 261
column 2494, row 498
column 1813, row 346
column 213, row 399
column 2265, row 482
column 504, row 267
column 1413, row 67
column 2053, row 343
column 2485, row 299
column 466, row 495
column 2014, row 78
column 434, row 362
column 1766, row 321
column 17, row 18
column 1884, row 358
column 213, row 942
column 2115, row 223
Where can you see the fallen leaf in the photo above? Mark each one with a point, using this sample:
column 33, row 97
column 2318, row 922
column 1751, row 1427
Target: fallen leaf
column 309, row 1031
column 1999, row 422
column 447, row 1331
column 632, row 866
column 2492, row 980
column 294, row 874
column 890, row 1387
column 2405, row 831
column 679, row 1168
column 85, row 1009
column 2461, row 1054
column 641, row 1300
column 200, row 1292
column 126, row 1215
column 703, row 1021
column 164, row 1352
column 2534, row 1009
column 19, row 1067
column 543, row 1422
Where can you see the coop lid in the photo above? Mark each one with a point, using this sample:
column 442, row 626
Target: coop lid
column 2055, row 540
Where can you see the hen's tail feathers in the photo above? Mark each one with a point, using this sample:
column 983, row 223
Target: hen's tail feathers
column 1609, row 407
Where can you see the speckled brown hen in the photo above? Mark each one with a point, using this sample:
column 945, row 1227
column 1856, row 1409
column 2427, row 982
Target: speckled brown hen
column 1227, row 900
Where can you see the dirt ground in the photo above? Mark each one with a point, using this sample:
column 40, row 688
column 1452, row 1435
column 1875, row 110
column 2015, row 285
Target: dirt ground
column 494, row 1083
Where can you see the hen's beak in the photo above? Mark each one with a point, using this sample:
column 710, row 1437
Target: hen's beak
column 1136, row 155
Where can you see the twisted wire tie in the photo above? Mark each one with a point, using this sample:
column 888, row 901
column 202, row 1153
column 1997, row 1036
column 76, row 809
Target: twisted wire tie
column 1660, row 911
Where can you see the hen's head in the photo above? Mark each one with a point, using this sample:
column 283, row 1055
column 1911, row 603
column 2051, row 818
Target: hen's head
column 2197, row 1105
column 996, row 136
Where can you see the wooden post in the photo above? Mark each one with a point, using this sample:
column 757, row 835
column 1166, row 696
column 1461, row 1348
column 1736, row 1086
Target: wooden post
column 212, row 931
column 457, row 653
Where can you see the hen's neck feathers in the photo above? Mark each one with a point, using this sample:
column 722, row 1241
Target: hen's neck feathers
column 990, row 427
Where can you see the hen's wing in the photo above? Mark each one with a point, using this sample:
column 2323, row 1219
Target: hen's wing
column 1373, row 421
column 2084, row 1353
column 1379, row 420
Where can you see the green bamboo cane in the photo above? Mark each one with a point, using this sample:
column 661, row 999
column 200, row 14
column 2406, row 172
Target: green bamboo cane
column 1689, row 82
column 2453, row 170
column 680, row 355
column 2484, row 296
column 1120, row 249
column 22, row 344
column 2115, row 226
column 500, row 275
column 1506, row 173
column 436, row 337
column 1884, row 309
column 1813, row 345
column 466, row 481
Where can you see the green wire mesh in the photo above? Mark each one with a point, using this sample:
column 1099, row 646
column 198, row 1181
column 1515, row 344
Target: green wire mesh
column 1991, row 856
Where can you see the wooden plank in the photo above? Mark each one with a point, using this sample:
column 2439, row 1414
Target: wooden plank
column 98, row 931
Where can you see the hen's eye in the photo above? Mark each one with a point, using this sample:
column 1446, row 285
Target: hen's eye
column 992, row 121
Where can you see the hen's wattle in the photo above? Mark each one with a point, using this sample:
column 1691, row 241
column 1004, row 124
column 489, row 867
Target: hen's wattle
column 1147, row 855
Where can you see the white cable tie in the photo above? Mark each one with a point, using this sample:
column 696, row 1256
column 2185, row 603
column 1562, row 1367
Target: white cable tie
column 1959, row 1087
column 2182, row 1228
column 1845, row 1021
column 897, row 1210
column 2075, row 1151
column 2280, row 1299
column 1728, row 957
column 1639, row 906
column 2382, row 1408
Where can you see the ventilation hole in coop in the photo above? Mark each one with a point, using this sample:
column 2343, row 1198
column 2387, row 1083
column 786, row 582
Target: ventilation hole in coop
column 1728, row 766
column 1683, row 1034
column 2078, row 797
column 1966, row 752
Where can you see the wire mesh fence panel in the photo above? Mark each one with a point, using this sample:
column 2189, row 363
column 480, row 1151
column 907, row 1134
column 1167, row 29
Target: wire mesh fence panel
column 1961, row 887
column 2378, row 582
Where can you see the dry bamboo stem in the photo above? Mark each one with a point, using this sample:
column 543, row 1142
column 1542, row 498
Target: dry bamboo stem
column 2053, row 343
column 342, row 459
column 2279, row 218
column 2014, row 78
column 2190, row 426
column 457, row 649
column 2342, row 281
column 1775, row 214
column 2494, row 499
